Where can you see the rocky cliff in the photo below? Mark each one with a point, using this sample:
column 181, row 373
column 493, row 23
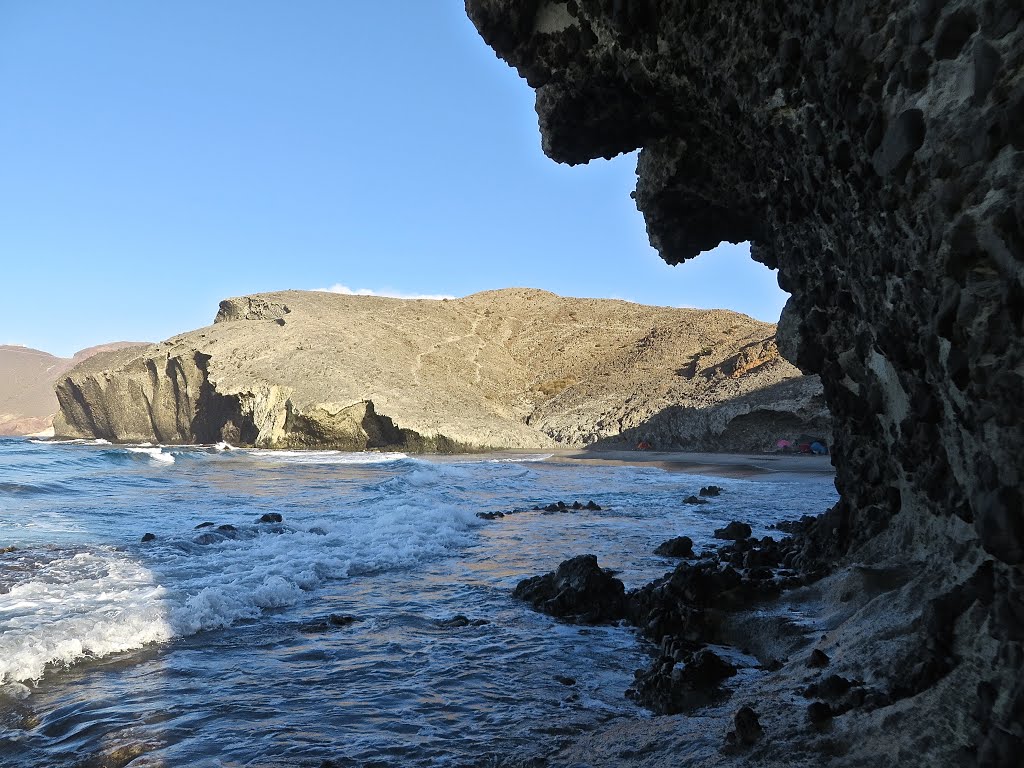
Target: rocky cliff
column 872, row 152
column 27, row 376
column 515, row 368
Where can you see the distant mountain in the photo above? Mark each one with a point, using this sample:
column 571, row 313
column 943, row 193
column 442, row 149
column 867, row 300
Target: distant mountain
column 513, row 368
column 27, row 399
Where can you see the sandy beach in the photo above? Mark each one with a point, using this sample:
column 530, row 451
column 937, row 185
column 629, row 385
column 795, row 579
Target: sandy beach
column 740, row 465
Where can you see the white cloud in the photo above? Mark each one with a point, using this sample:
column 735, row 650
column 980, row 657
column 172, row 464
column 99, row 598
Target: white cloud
column 346, row 291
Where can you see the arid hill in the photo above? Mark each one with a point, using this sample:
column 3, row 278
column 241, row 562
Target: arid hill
column 27, row 376
column 514, row 368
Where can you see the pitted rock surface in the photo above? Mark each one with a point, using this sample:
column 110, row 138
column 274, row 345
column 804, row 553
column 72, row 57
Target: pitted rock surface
column 872, row 151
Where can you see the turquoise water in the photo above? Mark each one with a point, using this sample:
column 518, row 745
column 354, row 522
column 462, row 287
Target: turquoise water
column 214, row 647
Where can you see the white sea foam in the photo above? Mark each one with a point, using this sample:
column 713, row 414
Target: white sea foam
column 156, row 455
column 102, row 601
column 526, row 459
column 80, row 605
column 223, row 446
column 326, row 457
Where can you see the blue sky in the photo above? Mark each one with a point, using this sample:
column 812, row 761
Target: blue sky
column 160, row 156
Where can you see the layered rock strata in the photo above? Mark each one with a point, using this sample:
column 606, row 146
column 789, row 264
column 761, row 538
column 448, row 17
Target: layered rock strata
column 515, row 368
column 872, row 152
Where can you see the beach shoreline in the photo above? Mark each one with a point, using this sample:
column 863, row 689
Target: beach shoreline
column 734, row 465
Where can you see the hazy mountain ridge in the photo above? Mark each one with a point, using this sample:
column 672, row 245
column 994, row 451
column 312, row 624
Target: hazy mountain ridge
column 27, row 399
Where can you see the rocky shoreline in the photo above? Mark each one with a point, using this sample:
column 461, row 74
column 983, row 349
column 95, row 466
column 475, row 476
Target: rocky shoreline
column 683, row 612
column 757, row 650
column 725, row 647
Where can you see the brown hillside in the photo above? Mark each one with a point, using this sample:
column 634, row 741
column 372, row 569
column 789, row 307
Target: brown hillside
column 514, row 368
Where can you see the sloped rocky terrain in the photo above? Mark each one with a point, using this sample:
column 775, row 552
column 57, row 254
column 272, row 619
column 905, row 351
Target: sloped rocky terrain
column 872, row 152
column 514, row 368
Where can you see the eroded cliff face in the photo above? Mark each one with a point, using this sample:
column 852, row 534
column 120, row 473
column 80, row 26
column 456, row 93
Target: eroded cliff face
column 516, row 368
column 872, row 152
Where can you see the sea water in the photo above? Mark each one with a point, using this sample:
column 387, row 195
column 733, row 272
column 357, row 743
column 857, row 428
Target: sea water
column 215, row 646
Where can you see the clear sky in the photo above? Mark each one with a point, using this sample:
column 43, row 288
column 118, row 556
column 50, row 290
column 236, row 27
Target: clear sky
column 156, row 157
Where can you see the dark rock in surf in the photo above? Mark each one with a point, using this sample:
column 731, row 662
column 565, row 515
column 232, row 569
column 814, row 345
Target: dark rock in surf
column 148, row 537
column 459, row 620
column 694, row 500
column 333, row 621
column 680, row 546
column 579, row 590
column 271, row 517
column 734, row 530
column 710, row 490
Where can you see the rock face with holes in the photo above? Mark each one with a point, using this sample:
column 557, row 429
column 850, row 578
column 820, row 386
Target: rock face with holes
column 515, row 368
column 873, row 152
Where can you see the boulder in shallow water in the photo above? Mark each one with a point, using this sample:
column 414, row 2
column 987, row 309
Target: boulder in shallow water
column 680, row 546
column 459, row 620
column 271, row 517
column 578, row 589
column 735, row 531
column 694, row 500
column 710, row 490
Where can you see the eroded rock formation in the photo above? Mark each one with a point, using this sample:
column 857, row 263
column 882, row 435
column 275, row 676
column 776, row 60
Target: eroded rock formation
column 515, row 368
column 27, row 376
column 872, row 152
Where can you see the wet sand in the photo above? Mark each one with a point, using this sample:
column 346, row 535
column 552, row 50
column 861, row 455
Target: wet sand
column 739, row 465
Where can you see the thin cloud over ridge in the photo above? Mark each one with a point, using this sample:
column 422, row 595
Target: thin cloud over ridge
column 346, row 291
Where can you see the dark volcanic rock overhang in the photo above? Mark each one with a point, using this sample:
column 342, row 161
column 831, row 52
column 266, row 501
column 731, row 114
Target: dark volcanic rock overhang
column 871, row 152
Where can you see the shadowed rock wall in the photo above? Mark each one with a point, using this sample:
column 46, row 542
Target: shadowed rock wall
column 871, row 151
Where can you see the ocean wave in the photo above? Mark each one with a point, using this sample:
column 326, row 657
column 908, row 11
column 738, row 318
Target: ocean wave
column 324, row 457
column 156, row 455
column 85, row 603
column 526, row 459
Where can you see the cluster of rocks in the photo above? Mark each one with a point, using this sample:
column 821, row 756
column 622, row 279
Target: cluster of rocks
column 555, row 506
column 576, row 506
column 213, row 533
column 681, row 612
column 701, row 497
column 579, row 590
column 835, row 695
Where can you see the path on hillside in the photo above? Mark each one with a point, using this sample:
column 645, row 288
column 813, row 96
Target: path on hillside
column 473, row 359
